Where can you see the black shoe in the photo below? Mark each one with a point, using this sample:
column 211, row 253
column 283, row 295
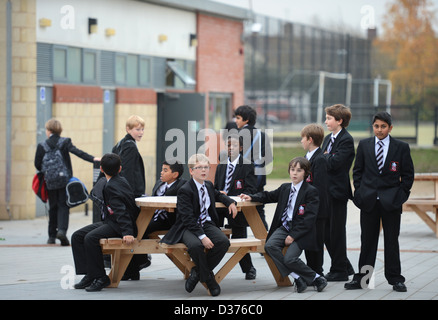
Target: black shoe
column 85, row 282
column 98, row 284
column 300, row 285
column 399, row 287
column 320, row 283
column 212, row 286
column 131, row 276
column 61, row 235
column 251, row 274
column 353, row 285
column 337, row 276
column 192, row 280
column 51, row 240
column 147, row 263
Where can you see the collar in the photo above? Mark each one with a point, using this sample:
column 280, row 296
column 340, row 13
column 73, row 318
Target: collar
column 385, row 141
column 297, row 186
column 234, row 163
column 310, row 154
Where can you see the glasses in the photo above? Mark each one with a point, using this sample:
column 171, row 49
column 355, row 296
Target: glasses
column 201, row 168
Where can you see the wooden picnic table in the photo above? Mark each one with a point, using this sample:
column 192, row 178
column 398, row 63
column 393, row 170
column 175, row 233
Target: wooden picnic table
column 423, row 203
column 122, row 253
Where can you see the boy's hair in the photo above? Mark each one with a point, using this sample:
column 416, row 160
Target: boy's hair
column 175, row 166
column 237, row 137
column 110, row 164
column 340, row 112
column 314, row 131
column 54, row 126
column 196, row 158
column 304, row 164
column 247, row 113
column 383, row 116
column 133, row 121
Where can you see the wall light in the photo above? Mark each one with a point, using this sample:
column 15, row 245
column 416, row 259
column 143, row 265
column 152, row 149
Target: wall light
column 92, row 25
column 193, row 40
column 44, row 22
column 109, row 32
column 162, row 38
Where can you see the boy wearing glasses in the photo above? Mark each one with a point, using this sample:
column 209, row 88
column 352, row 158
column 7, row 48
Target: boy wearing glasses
column 383, row 175
column 197, row 224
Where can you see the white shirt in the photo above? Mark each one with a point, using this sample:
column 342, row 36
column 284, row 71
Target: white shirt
column 385, row 146
column 163, row 187
column 310, row 154
column 290, row 210
column 234, row 163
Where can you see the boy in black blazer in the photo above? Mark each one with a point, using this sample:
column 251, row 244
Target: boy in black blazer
column 338, row 148
column 383, row 175
column 121, row 214
column 293, row 225
column 168, row 185
column 311, row 139
column 233, row 178
column 197, row 224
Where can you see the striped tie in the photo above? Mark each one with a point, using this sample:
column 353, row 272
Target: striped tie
column 203, row 215
column 284, row 221
column 330, row 146
column 229, row 176
column 162, row 214
column 379, row 156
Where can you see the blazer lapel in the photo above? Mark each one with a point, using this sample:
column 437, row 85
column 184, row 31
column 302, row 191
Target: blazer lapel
column 299, row 200
column 391, row 153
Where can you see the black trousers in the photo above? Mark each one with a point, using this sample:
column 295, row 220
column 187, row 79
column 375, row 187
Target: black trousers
column 336, row 236
column 206, row 261
column 87, row 252
column 58, row 211
column 315, row 259
column 370, row 230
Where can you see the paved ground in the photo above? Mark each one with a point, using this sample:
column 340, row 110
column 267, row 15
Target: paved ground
column 30, row 269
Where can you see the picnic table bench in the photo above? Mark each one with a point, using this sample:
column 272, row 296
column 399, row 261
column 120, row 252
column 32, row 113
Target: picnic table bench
column 425, row 202
column 122, row 253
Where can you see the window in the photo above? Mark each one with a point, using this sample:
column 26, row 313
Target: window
column 60, row 64
column 74, row 65
column 180, row 74
column 145, row 71
column 120, row 69
column 132, row 70
column 89, row 66
column 219, row 105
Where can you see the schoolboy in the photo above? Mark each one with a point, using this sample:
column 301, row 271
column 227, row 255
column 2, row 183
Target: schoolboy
column 168, row 185
column 293, row 225
column 232, row 178
column 311, row 140
column 121, row 213
column 197, row 224
column 338, row 147
column 256, row 148
column 383, row 175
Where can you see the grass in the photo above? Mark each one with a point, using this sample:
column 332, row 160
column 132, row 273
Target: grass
column 425, row 160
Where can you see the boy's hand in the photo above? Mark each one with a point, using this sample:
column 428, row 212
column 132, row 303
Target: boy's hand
column 288, row 241
column 232, row 209
column 206, row 242
column 128, row 239
column 245, row 197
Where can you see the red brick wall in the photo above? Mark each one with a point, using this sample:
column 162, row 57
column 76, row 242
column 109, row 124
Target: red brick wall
column 220, row 57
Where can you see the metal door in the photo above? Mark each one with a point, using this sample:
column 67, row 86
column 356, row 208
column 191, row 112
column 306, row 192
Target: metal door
column 180, row 117
column 108, row 120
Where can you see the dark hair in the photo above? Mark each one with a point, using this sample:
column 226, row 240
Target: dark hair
column 175, row 166
column 383, row 116
column 304, row 164
column 110, row 164
column 340, row 112
column 237, row 137
column 247, row 113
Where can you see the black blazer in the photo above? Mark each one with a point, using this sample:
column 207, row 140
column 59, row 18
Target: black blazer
column 339, row 162
column 120, row 209
column 319, row 179
column 392, row 186
column 132, row 164
column 66, row 148
column 189, row 209
column 242, row 181
column 303, row 228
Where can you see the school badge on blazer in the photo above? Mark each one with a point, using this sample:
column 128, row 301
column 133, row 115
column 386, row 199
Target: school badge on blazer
column 238, row 184
column 309, row 178
column 301, row 209
column 394, row 166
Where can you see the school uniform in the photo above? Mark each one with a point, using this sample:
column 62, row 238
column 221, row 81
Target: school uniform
column 242, row 180
column 380, row 194
column 302, row 213
column 339, row 158
column 318, row 178
column 161, row 220
column 120, row 215
column 190, row 230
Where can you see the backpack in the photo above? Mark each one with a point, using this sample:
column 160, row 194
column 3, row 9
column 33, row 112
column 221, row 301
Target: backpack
column 76, row 192
column 39, row 187
column 53, row 166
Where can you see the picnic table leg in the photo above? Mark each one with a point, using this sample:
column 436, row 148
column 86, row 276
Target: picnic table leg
column 229, row 265
column 182, row 260
column 119, row 263
column 143, row 220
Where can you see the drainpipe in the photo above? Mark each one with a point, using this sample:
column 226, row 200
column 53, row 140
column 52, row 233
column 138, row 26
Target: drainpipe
column 8, row 104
